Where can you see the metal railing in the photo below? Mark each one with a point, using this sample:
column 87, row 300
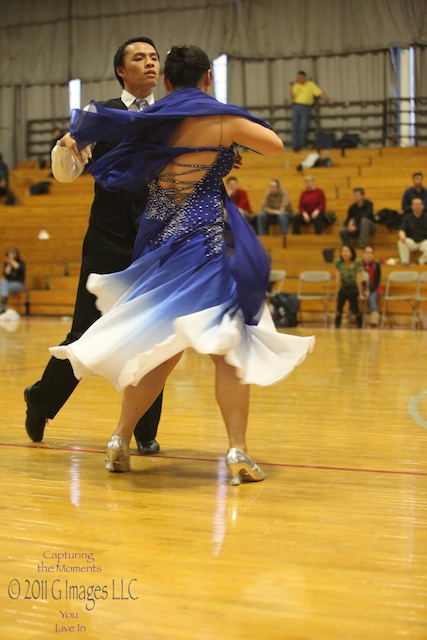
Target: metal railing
column 377, row 123
column 39, row 140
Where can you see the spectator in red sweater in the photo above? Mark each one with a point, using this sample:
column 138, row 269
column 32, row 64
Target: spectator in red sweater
column 240, row 198
column 312, row 204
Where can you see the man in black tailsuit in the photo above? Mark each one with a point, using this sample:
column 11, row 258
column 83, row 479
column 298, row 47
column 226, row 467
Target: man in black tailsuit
column 108, row 243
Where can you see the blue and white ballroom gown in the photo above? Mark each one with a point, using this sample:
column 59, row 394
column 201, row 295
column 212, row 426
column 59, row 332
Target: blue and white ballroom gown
column 186, row 286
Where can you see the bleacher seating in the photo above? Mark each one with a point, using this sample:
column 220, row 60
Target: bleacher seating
column 53, row 257
column 53, row 264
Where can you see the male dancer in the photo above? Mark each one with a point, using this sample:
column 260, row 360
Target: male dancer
column 108, row 243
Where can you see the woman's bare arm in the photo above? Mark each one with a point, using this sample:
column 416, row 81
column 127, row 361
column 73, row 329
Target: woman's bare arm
column 251, row 135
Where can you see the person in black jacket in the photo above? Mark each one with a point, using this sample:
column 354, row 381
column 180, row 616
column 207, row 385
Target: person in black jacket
column 360, row 220
column 417, row 191
column 108, row 243
column 373, row 290
column 412, row 235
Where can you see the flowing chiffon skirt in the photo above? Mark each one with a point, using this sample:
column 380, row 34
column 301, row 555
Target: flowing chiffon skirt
column 167, row 301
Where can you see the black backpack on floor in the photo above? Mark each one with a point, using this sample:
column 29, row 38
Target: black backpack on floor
column 285, row 309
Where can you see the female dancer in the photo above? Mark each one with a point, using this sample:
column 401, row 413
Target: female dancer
column 186, row 286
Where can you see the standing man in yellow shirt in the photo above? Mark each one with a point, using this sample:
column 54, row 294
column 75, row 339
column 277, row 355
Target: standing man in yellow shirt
column 303, row 93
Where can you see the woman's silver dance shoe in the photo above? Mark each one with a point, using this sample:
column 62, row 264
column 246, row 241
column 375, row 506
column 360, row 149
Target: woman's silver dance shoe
column 118, row 457
column 242, row 468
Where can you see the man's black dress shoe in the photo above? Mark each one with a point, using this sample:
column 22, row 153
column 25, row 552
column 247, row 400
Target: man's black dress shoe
column 34, row 422
column 147, row 447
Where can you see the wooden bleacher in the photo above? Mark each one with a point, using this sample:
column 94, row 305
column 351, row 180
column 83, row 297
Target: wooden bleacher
column 53, row 264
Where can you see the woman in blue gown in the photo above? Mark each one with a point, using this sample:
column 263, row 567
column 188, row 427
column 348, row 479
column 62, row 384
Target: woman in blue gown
column 187, row 286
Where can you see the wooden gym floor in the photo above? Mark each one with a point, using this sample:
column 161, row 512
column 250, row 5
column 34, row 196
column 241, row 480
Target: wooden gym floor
column 331, row 546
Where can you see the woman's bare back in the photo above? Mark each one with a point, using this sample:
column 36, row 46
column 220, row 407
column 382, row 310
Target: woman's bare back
column 179, row 178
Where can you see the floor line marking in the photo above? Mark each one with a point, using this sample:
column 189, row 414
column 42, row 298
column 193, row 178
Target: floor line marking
column 196, row 459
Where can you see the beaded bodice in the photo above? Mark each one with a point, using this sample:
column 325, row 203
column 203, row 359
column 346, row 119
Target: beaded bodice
column 186, row 206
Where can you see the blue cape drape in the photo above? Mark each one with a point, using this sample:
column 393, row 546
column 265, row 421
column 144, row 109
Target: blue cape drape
column 142, row 153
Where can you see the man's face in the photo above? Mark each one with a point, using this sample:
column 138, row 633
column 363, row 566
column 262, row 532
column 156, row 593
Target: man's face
column 358, row 197
column 418, row 181
column 301, row 78
column 368, row 255
column 309, row 184
column 140, row 70
column 232, row 186
column 274, row 187
column 417, row 207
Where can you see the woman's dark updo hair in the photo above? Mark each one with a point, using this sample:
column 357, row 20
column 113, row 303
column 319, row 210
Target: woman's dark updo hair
column 185, row 65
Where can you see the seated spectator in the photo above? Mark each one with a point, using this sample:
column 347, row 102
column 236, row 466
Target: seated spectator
column 348, row 284
column 360, row 220
column 312, row 204
column 13, row 276
column 417, row 191
column 4, row 177
column 275, row 209
column 373, row 290
column 240, row 198
column 413, row 233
